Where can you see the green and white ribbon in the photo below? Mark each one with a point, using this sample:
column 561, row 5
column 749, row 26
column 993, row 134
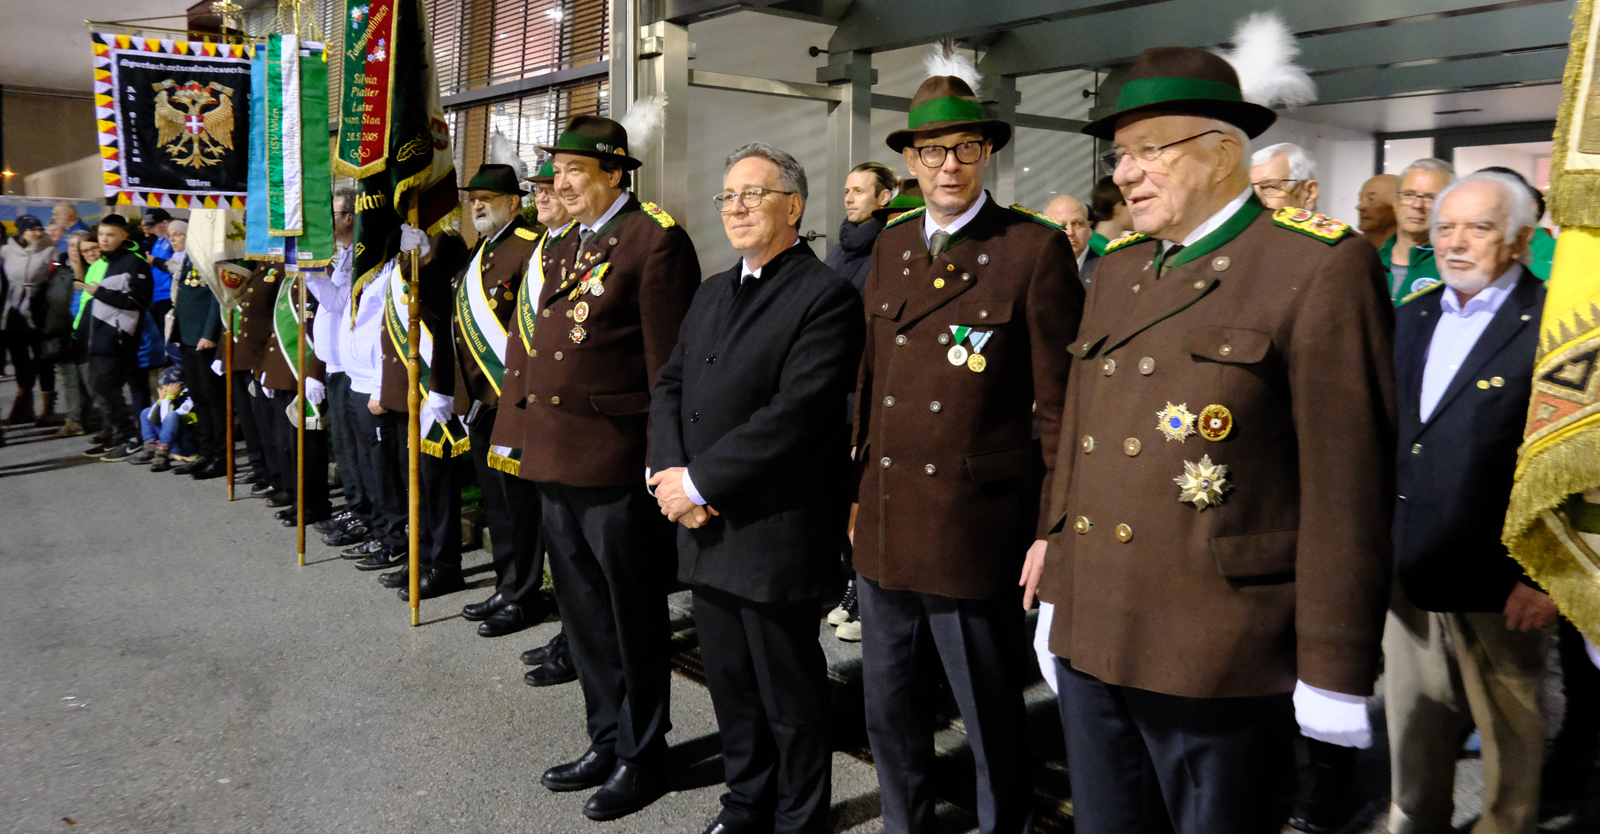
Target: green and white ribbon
column 286, row 327
column 438, row 440
column 486, row 337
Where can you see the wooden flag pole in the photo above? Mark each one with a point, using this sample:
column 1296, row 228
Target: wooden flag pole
column 414, row 438
column 300, row 431
column 227, row 362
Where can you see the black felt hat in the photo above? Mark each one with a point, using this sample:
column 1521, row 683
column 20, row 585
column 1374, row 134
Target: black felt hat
column 494, row 177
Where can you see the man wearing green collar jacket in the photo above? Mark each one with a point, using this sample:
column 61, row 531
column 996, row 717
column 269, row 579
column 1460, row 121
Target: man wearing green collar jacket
column 1414, row 269
column 1406, row 280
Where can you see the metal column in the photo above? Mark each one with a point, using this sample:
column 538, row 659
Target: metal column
column 663, row 67
column 849, row 121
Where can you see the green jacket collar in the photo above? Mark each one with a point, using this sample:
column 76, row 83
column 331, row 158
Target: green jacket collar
column 1230, row 229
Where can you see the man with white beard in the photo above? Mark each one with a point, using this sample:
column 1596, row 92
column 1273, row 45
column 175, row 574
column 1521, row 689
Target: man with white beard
column 1467, row 631
column 467, row 372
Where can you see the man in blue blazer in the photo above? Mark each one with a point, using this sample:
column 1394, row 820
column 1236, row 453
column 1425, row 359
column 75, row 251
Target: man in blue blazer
column 750, row 457
column 1467, row 632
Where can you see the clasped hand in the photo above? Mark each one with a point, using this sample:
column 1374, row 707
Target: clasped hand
column 675, row 503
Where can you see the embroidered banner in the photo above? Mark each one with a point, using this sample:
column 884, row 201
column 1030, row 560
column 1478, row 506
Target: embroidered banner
column 169, row 131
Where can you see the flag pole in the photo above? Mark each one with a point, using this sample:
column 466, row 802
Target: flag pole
column 300, row 431
column 414, row 429
column 227, row 362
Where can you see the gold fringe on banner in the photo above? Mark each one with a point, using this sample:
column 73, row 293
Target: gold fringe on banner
column 1575, row 194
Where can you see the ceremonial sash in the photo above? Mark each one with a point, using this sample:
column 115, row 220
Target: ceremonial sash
column 486, row 337
column 528, row 299
column 286, row 327
column 436, row 437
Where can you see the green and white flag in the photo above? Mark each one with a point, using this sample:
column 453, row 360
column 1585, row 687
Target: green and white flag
column 284, row 180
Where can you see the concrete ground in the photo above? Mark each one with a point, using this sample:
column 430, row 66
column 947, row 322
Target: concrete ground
column 166, row 667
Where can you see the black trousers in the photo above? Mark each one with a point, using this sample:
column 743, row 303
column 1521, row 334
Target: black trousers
column 270, row 423
column 316, row 496
column 377, row 465
column 612, row 559
column 1149, row 763
column 439, row 530
column 343, row 441
column 21, row 343
column 979, row 643
column 210, row 400
column 1571, row 763
column 107, row 376
column 513, row 524
column 769, row 687
column 245, row 414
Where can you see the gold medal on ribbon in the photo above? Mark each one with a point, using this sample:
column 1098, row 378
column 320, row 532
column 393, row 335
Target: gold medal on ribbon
column 976, row 363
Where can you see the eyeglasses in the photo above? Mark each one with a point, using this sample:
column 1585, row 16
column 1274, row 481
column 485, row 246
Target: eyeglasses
column 1147, row 154
column 1412, row 198
column 933, row 156
column 749, row 198
column 1476, row 231
column 1276, row 188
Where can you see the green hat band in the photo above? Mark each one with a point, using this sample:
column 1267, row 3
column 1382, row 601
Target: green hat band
column 1143, row 92
column 949, row 109
column 578, row 142
column 547, row 169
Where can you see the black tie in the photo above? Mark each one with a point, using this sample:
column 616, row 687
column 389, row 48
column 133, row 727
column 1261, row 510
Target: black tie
column 937, row 243
column 1164, row 260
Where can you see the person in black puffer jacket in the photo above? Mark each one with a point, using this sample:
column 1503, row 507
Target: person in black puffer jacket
column 869, row 187
column 116, row 308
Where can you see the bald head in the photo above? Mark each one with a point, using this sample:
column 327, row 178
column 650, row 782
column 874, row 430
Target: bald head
column 1068, row 211
column 1375, row 209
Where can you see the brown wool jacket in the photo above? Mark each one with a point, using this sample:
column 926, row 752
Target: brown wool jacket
column 580, row 396
column 1291, row 334
column 949, row 500
column 255, row 318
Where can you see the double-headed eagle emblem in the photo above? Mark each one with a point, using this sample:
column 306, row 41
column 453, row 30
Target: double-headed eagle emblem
column 200, row 137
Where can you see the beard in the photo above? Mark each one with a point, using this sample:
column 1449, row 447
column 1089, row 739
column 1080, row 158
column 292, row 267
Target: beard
column 1469, row 281
column 493, row 220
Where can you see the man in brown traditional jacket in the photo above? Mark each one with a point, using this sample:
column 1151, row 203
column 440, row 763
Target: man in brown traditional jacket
column 970, row 308
column 1220, row 514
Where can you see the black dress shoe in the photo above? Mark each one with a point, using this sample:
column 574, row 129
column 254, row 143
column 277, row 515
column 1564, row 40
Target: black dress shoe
column 261, row 489
column 1326, row 804
column 721, row 827
column 212, row 469
column 311, row 518
column 199, row 462
column 279, row 499
column 631, row 788
column 510, row 619
column 434, row 584
column 590, row 771
column 395, row 579
column 285, row 514
column 382, row 559
column 549, row 651
column 553, row 672
column 482, row 610
column 361, row 551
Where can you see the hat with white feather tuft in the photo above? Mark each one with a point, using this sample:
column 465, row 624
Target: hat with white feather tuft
column 949, row 99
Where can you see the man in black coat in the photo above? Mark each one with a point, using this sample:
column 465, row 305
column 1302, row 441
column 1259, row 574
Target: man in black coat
column 1468, row 632
column 751, row 459
column 116, row 308
column 197, row 329
column 868, row 189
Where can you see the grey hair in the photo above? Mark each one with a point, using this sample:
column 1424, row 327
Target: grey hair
column 1428, row 163
column 1301, row 166
column 345, row 192
column 1513, row 196
column 791, row 174
column 1236, row 132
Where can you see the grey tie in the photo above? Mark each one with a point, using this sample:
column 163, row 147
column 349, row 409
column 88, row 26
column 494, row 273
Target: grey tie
column 584, row 236
column 937, row 243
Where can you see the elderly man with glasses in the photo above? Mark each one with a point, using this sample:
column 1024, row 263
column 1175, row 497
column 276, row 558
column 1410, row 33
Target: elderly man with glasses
column 752, row 461
column 1284, row 175
column 1408, row 255
column 970, row 310
column 1218, row 556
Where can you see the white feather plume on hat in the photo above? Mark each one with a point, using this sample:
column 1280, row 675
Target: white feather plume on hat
column 1263, row 56
column 503, row 151
column 946, row 60
column 643, row 119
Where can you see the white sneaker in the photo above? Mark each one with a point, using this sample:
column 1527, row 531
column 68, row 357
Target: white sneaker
column 840, row 614
column 849, row 631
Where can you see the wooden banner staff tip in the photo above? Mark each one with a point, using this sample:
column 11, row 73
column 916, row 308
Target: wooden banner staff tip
column 414, row 429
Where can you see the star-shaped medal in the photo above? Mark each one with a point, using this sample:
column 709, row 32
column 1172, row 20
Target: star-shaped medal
column 1175, row 421
column 1203, row 483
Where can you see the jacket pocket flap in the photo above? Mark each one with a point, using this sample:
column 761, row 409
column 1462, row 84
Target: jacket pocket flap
column 1228, row 344
column 621, row 405
column 987, row 467
column 1085, row 348
column 979, row 313
column 888, row 309
column 1255, row 554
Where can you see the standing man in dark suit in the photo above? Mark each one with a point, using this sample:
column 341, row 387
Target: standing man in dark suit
column 468, row 371
column 1468, row 632
column 603, row 321
column 750, row 458
column 971, row 308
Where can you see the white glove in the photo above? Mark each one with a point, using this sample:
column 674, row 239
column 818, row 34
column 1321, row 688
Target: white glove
column 1594, row 652
column 413, row 240
column 1333, row 717
column 216, row 367
column 1041, row 645
column 316, row 392
column 439, row 407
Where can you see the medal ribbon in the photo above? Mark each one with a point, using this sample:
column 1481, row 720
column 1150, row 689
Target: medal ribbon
column 979, row 340
column 486, row 343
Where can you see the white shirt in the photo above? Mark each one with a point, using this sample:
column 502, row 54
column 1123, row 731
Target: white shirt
column 1214, row 221
column 364, row 338
column 1458, row 330
column 929, row 227
column 622, row 200
column 328, row 326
